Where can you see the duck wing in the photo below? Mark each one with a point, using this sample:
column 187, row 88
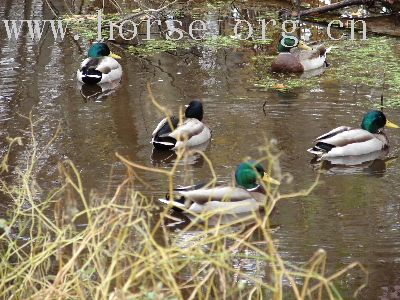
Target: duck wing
column 85, row 62
column 88, row 73
column 179, row 200
column 322, row 50
column 308, row 54
column 346, row 141
column 223, row 199
column 312, row 59
column 161, row 135
column 107, row 64
column 159, row 125
column 92, row 63
column 333, row 132
column 347, row 137
column 191, row 187
column 163, row 128
column 316, row 52
column 226, row 193
column 189, row 128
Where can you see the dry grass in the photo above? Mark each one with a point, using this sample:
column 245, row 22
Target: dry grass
column 127, row 251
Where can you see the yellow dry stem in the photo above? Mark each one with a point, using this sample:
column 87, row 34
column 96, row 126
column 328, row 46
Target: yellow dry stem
column 125, row 250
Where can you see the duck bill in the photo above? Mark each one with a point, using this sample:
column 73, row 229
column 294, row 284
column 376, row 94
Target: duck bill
column 391, row 125
column 113, row 55
column 269, row 179
column 303, row 46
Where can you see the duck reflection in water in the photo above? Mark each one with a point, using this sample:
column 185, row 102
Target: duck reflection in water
column 180, row 220
column 167, row 158
column 373, row 163
column 97, row 92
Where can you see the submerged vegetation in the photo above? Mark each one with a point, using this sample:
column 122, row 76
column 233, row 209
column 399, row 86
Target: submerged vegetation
column 153, row 47
column 68, row 245
column 372, row 63
column 156, row 46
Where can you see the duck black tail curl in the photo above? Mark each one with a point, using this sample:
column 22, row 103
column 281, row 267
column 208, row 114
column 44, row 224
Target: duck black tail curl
column 91, row 76
column 164, row 143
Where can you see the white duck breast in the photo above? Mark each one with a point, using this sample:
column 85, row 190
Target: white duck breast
column 110, row 69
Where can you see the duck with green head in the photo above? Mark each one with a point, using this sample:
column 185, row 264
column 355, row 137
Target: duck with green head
column 348, row 141
column 171, row 134
column 248, row 195
column 100, row 66
column 296, row 57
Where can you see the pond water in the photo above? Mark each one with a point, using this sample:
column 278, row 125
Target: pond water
column 353, row 213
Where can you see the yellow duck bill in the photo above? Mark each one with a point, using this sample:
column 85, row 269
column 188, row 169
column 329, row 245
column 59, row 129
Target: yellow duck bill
column 303, row 46
column 391, row 125
column 267, row 178
column 113, row 55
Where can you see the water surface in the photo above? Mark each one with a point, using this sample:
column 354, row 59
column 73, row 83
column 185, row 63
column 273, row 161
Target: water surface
column 353, row 214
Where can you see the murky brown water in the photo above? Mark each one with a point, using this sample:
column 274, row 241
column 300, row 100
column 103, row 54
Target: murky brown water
column 353, row 214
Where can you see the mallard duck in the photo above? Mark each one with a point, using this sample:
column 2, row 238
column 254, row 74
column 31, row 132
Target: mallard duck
column 347, row 141
column 296, row 57
column 100, row 66
column 191, row 132
column 247, row 196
